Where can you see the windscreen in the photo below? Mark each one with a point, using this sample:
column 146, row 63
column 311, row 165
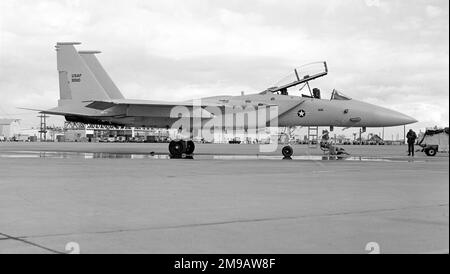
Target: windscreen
column 337, row 95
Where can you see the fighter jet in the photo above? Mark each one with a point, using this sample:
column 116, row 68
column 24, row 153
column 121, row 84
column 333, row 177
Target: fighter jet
column 88, row 95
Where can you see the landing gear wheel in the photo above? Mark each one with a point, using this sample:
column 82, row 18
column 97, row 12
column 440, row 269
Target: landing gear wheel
column 177, row 148
column 287, row 151
column 190, row 147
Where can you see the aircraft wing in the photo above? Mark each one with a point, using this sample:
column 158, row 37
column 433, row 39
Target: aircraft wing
column 103, row 105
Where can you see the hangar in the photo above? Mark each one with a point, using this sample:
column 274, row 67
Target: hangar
column 8, row 128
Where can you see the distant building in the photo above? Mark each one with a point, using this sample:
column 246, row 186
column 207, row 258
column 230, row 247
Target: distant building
column 394, row 142
column 8, row 128
column 24, row 135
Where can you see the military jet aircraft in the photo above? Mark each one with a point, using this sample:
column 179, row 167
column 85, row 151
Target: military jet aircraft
column 88, row 95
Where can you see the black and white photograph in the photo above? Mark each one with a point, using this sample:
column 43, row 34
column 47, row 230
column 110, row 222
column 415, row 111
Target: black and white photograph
column 248, row 129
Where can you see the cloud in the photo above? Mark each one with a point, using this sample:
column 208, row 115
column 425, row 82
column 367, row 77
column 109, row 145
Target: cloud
column 433, row 11
column 394, row 53
column 373, row 3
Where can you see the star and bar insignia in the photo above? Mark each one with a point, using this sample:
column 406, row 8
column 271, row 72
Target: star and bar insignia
column 301, row 113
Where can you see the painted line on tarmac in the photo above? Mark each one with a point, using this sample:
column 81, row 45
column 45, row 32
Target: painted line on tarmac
column 238, row 221
column 19, row 239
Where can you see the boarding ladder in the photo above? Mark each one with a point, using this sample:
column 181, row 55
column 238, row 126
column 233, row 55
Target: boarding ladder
column 313, row 137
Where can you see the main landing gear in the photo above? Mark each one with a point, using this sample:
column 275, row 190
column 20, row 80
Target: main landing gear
column 181, row 149
column 287, row 152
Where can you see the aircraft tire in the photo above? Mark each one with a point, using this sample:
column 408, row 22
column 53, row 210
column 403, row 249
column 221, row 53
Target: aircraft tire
column 176, row 148
column 190, row 147
column 287, row 151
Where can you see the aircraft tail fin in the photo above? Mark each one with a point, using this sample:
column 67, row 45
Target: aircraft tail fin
column 100, row 73
column 76, row 80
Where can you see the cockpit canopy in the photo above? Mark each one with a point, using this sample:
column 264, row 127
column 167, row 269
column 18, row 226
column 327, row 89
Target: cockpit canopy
column 301, row 75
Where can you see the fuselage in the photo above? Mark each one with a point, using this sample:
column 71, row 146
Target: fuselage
column 291, row 111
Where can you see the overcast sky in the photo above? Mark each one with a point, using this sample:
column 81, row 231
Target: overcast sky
column 389, row 52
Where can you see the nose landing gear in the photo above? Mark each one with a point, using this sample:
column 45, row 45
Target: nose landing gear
column 181, row 149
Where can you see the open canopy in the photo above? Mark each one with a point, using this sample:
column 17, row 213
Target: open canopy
column 299, row 76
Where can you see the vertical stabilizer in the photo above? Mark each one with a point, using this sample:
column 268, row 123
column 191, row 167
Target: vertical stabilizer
column 100, row 73
column 76, row 80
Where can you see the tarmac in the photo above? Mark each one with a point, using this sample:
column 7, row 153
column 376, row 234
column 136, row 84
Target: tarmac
column 132, row 198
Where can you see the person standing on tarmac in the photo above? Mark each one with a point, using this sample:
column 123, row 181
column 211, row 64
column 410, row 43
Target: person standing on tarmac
column 411, row 136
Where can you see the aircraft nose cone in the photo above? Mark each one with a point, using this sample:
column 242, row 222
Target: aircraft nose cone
column 395, row 118
column 409, row 120
column 403, row 119
column 377, row 116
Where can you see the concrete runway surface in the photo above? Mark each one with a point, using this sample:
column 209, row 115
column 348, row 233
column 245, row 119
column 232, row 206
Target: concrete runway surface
column 117, row 198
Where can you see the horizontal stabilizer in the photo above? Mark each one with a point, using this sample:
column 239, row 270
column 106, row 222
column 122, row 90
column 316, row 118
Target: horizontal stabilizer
column 67, row 43
column 56, row 112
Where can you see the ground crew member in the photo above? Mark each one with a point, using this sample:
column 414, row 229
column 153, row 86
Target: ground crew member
column 411, row 136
